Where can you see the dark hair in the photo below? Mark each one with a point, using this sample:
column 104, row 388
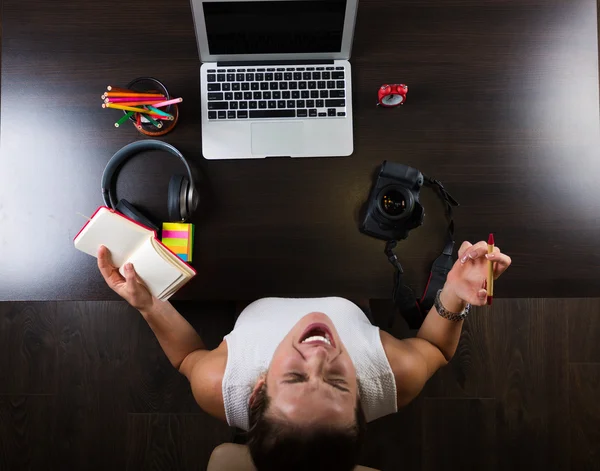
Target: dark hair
column 276, row 444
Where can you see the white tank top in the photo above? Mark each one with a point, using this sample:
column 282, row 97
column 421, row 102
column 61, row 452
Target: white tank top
column 263, row 325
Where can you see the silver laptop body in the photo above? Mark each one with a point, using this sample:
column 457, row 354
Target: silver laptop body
column 275, row 77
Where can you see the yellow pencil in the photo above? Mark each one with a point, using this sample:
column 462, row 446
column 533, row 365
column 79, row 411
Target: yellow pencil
column 490, row 276
column 126, row 108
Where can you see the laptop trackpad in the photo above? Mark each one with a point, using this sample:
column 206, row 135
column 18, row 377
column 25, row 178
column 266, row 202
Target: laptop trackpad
column 277, row 139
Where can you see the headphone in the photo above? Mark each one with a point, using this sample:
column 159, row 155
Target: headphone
column 182, row 195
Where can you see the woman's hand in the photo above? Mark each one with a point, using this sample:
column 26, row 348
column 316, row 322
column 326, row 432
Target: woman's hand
column 130, row 288
column 466, row 282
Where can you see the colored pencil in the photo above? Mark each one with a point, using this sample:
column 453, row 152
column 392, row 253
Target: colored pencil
column 153, row 121
column 156, row 116
column 168, row 102
column 131, row 103
column 110, row 88
column 126, row 108
column 138, row 121
column 124, row 118
column 162, row 118
column 134, row 94
column 490, row 276
column 159, row 112
column 126, row 99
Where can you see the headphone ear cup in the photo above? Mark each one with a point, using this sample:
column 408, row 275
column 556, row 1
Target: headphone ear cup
column 127, row 209
column 174, row 198
column 186, row 204
column 193, row 200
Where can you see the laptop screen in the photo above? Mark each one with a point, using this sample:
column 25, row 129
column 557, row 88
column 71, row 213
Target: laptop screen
column 274, row 27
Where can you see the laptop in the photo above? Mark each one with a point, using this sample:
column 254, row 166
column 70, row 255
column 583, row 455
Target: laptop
column 275, row 77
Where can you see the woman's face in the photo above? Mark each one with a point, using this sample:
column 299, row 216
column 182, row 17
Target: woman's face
column 311, row 379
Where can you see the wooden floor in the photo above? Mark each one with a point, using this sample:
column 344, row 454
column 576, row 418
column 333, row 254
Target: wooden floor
column 85, row 386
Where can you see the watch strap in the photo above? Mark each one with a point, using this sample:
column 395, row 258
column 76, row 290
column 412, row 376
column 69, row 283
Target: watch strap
column 446, row 314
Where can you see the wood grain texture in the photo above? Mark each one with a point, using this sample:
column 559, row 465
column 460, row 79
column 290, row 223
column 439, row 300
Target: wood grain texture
column 584, row 329
column 459, row 434
column 28, row 336
column 165, row 442
column 472, row 361
column 212, row 320
column 530, row 375
column 154, row 385
column 502, row 107
column 27, row 426
column 541, row 410
column 102, row 362
column 584, row 391
column 95, row 352
column 393, row 442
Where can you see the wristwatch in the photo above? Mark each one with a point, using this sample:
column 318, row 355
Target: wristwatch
column 451, row 316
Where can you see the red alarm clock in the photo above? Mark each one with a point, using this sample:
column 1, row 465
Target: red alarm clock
column 392, row 95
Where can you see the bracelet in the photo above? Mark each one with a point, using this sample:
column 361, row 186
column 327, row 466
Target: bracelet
column 451, row 316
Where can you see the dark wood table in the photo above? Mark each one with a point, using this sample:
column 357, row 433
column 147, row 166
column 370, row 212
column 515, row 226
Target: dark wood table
column 502, row 107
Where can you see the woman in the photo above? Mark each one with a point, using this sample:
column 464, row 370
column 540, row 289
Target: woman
column 304, row 375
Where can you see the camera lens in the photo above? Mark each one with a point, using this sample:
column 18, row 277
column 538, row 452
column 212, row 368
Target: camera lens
column 393, row 203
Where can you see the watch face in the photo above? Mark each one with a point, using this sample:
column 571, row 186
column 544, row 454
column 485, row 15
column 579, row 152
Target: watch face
column 392, row 100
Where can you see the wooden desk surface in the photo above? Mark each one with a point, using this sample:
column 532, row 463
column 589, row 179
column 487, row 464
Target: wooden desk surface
column 502, row 107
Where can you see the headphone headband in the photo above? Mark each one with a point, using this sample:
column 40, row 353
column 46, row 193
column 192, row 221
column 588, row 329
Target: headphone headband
column 123, row 155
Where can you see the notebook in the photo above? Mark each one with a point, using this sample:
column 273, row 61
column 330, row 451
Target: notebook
column 161, row 270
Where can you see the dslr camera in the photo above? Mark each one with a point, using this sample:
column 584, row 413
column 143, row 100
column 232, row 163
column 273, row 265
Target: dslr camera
column 393, row 208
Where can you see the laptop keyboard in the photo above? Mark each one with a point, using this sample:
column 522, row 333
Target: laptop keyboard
column 276, row 92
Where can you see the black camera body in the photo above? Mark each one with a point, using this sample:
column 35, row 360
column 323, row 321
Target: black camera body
column 393, row 208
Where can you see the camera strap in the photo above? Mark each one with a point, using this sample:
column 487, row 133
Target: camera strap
column 414, row 310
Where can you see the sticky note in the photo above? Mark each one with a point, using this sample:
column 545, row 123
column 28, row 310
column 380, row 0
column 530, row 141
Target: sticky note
column 179, row 238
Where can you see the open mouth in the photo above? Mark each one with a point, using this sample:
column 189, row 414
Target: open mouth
column 317, row 334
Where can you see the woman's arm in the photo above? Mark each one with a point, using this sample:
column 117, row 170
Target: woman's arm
column 176, row 336
column 179, row 340
column 465, row 284
column 440, row 332
column 415, row 360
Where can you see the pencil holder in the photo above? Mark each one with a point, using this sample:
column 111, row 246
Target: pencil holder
column 147, row 125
